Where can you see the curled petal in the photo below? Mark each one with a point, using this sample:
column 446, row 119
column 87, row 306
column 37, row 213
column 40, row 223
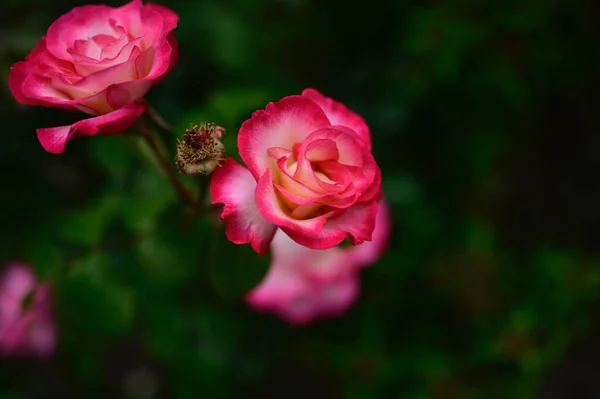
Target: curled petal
column 281, row 124
column 20, row 71
column 170, row 19
column 348, row 144
column 306, row 187
column 339, row 114
column 356, row 223
column 322, row 150
column 54, row 139
column 77, row 24
column 374, row 190
column 233, row 186
column 367, row 253
column 351, row 154
column 274, row 211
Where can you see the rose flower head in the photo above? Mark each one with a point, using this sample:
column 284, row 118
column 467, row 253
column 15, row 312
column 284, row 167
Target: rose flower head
column 26, row 323
column 99, row 60
column 304, row 284
column 310, row 173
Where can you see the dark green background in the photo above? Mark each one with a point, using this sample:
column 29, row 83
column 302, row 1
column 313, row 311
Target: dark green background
column 484, row 117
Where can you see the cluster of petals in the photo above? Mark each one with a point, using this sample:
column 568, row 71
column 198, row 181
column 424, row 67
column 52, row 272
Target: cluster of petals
column 26, row 323
column 304, row 284
column 100, row 60
column 309, row 172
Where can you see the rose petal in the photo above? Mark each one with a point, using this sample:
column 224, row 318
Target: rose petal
column 42, row 336
column 17, row 281
column 154, row 63
column 284, row 289
column 339, row 114
column 281, row 124
column 96, row 82
column 233, row 186
column 79, row 23
column 356, row 223
column 321, row 150
column 271, row 209
column 303, row 284
column 338, row 177
column 87, row 67
column 374, row 190
column 367, row 253
column 364, row 167
column 129, row 16
column 17, row 76
column 338, row 295
column 174, row 56
column 54, row 139
column 20, row 70
column 295, row 186
column 170, row 19
column 350, row 147
column 281, row 284
column 279, row 152
column 39, row 90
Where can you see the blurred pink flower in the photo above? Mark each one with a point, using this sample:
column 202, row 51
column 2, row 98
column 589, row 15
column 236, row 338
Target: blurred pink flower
column 304, row 284
column 26, row 325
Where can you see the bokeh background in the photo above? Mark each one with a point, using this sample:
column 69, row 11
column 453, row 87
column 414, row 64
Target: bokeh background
column 485, row 120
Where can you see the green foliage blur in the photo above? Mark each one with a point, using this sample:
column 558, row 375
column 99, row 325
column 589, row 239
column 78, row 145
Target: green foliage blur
column 484, row 118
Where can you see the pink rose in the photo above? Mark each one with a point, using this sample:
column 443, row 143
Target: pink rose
column 304, row 284
column 310, row 173
column 25, row 328
column 99, row 60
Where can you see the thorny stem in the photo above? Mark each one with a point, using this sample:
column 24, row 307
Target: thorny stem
column 184, row 195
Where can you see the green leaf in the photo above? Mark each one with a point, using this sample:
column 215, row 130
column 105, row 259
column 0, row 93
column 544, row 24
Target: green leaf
column 87, row 225
column 45, row 258
column 146, row 200
column 120, row 160
column 176, row 249
column 91, row 299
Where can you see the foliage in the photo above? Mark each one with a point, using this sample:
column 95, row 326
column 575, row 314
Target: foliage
column 483, row 119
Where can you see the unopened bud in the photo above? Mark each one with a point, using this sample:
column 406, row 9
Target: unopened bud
column 201, row 150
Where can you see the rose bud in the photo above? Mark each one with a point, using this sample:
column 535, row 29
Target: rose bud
column 201, row 150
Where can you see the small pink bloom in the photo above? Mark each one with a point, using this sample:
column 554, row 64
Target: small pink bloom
column 304, row 284
column 99, row 60
column 25, row 328
column 309, row 172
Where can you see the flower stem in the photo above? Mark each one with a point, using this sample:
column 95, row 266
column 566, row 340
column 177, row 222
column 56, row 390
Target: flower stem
column 159, row 121
column 202, row 191
column 184, row 195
